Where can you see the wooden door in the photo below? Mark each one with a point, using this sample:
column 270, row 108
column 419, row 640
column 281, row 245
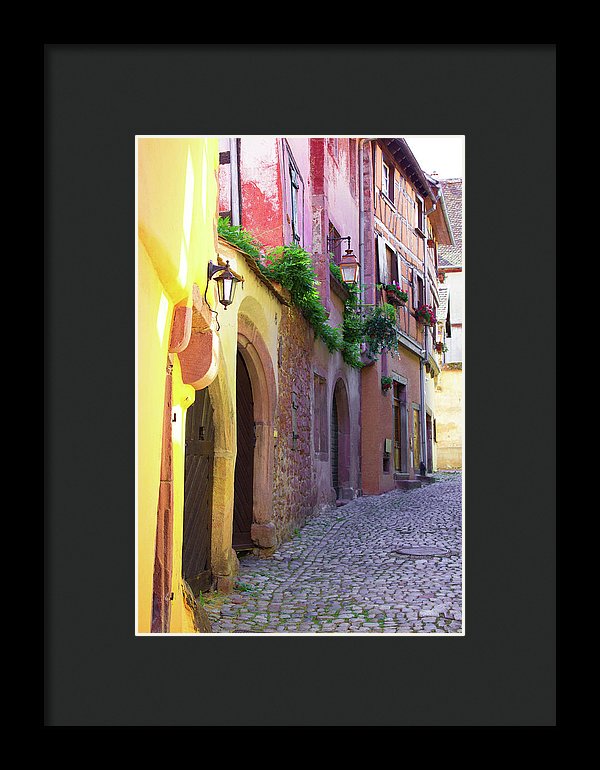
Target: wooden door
column 400, row 430
column 335, row 470
column 198, row 486
column 244, row 465
column 416, row 439
column 429, row 444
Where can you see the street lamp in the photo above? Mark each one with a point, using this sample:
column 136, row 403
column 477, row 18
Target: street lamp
column 349, row 265
column 226, row 282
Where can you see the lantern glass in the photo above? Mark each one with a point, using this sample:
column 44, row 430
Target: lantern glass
column 349, row 267
column 228, row 290
column 226, row 282
column 226, row 287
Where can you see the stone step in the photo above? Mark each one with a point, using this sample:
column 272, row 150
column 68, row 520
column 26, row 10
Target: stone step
column 426, row 479
column 408, row 483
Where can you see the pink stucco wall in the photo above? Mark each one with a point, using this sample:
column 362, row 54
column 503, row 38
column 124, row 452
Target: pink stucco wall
column 342, row 204
column 261, row 199
column 299, row 147
column 326, row 194
column 334, row 201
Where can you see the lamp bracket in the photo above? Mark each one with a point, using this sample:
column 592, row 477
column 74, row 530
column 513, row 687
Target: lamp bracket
column 331, row 241
column 213, row 269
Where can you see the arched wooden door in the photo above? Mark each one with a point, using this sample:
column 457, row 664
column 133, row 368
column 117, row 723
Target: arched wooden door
column 335, row 432
column 243, row 501
column 198, row 487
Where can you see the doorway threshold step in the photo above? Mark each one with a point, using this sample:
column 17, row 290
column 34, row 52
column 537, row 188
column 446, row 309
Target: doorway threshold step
column 409, row 483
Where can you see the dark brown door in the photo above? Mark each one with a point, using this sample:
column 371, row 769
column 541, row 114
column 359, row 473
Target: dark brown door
column 335, row 470
column 243, row 500
column 197, row 511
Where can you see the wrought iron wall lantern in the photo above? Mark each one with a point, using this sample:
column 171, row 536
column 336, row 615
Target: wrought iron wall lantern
column 226, row 281
column 349, row 265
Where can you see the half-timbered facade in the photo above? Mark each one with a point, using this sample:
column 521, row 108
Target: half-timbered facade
column 408, row 223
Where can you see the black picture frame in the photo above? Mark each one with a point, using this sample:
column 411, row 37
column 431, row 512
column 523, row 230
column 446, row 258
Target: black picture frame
column 96, row 99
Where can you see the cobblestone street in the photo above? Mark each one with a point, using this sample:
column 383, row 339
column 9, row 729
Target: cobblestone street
column 388, row 564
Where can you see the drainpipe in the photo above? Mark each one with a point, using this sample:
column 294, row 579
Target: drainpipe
column 235, row 181
column 423, row 470
column 422, row 361
column 433, row 205
column 435, row 201
column 361, row 214
column 361, row 260
column 422, row 369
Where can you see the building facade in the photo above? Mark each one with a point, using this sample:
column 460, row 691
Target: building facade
column 408, row 222
column 449, row 384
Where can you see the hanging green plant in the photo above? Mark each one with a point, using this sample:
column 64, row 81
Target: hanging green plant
column 386, row 383
column 379, row 330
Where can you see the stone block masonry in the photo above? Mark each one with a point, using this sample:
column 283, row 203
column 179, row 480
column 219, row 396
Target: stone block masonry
column 294, row 483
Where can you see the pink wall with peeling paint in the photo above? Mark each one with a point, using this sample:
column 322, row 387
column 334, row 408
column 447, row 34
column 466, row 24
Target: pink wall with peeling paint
column 261, row 197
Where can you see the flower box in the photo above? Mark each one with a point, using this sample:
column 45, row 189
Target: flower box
column 425, row 315
column 394, row 294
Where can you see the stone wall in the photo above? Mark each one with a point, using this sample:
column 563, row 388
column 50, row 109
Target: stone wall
column 294, row 495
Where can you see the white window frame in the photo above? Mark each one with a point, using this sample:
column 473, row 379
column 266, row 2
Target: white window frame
column 385, row 179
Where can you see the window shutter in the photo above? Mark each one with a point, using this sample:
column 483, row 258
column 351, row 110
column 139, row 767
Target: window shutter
column 383, row 277
column 295, row 188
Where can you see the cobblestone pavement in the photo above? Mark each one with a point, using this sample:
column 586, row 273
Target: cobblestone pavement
column 343, row 573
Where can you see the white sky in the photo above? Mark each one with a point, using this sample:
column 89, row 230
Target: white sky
column 441, row 155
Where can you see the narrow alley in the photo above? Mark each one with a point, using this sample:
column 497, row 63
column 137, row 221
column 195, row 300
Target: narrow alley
column 387, row 563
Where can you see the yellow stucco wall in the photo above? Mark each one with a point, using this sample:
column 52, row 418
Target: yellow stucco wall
column 177, row 208
column 431, row 407
column 449, row 414
column 177, row 236
column 255, row 302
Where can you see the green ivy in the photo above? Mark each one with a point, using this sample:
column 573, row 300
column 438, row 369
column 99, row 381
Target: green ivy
column 292, row 267
column 335, row 270
column 240, row 238
column 353, row 329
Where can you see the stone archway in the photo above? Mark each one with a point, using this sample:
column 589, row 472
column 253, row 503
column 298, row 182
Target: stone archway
column 259, row 366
